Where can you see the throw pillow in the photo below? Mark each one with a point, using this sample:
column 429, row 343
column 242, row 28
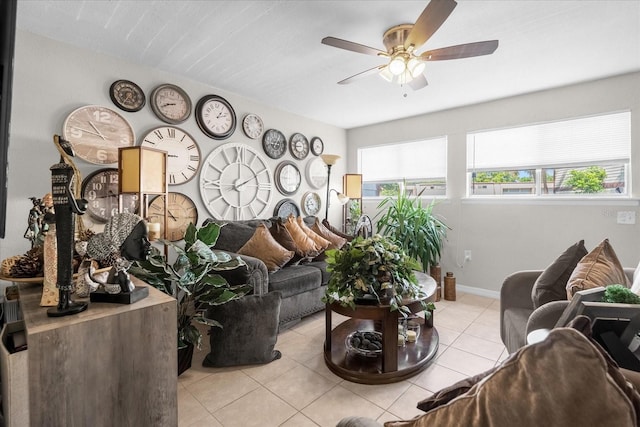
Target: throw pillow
column 552, row 283
column 320, row 241
column 282, row 236
column 306, row 247
column 635, row 287
column 542, row 382
column 337, row 242
column 600, row 267
column 264, row 247
column 249, row 331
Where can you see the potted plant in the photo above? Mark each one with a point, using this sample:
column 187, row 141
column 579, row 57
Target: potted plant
column 374, row 268
column 412, row 226
column 192, row 279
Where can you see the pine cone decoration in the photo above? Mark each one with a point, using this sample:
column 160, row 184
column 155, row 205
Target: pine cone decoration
column 29, row 265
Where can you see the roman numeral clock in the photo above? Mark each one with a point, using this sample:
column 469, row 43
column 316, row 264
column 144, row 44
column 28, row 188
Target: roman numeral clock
column 183, row 153
column 236, row 183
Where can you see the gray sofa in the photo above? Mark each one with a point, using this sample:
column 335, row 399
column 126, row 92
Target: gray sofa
column 301, row 286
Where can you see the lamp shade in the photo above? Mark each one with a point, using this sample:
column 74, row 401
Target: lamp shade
column 352, row 185
column 330, row 159
column 142, row 170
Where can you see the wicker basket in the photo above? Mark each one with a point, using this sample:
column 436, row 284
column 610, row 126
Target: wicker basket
column 5, row 268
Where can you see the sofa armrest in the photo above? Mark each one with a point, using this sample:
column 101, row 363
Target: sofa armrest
column 516, row 289
column 255, row 273
column 546, row 316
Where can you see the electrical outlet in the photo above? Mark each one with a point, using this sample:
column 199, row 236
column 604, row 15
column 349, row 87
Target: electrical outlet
column 626, row 217
column 467, row 255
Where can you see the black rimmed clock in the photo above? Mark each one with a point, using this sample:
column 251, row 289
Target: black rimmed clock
column 215, row 117
column 317, row 146
column 286, row 207
column 100, row 189
column 299, row 146
column 170, row 103
column 127, row 95
column 288, row 178
column 274, row 143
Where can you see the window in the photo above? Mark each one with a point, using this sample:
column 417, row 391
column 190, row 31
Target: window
column 587, row 157
column 422, row 165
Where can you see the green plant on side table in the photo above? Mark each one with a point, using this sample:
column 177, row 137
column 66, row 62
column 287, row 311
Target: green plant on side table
column 374, row 268
column 620, row 294
column 192, row 279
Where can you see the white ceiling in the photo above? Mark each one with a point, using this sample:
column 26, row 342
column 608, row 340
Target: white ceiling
column 270, row 51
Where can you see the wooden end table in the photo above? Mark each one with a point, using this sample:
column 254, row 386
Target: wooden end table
column 396, row 363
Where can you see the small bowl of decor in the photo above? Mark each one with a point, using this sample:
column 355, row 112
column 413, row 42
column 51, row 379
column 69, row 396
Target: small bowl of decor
column 364, row 343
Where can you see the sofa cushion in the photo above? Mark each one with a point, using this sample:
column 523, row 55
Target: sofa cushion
column 320, row 241
column 305, row 246
column 294, row 280
column 282, row 236
column 600, row 267
column 551, row 285
column 322, row 266
column 544, row 383
column 234, row 234
column 263, row 246
column 337, row 242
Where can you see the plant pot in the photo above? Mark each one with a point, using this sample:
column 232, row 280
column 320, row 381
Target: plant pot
column 429, row 322
column 185, row 355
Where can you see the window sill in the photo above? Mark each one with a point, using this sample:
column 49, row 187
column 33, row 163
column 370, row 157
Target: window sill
column 559, row 201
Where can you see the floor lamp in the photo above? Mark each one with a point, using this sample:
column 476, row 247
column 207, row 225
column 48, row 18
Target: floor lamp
column 329, row 160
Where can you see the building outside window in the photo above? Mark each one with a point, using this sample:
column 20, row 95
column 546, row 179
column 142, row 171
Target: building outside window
column 587, row 157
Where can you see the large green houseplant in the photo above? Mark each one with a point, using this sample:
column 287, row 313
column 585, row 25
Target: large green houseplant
column 413, row 226
column 192, row 279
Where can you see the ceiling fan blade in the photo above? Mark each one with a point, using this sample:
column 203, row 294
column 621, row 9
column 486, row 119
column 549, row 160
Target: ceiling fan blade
column 419, row 82
column 460, row 51
column 432, row 17
column 354, row 47
column 358, row 76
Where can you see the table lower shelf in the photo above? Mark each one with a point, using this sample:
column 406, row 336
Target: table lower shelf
column 412, row 358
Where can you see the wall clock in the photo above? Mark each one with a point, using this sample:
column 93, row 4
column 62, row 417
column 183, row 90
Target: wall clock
column 299, row 146
column 311, row 203
column 100, row 188
column 127, row 95
column 236, row 182
column 286, row 207
column 215, row 117
column 96, row 133
column 287, row 178
column 252, row 126
column 181, row 211
column 316, row 173
column 274, row 143
column 317, row 146
column 170, row 103
column 183, row 153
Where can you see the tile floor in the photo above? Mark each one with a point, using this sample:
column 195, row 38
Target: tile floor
column 299, row 390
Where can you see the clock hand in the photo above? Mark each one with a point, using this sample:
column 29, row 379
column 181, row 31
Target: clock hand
column 171, row 215
column 96, row 129
column 168, row 104
column 88, row 131
column 250, row 179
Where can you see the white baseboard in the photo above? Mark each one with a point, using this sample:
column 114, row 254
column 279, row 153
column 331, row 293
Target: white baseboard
column 478, row 291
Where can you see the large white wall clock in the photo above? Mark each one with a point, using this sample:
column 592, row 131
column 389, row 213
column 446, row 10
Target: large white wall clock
column 236, row 183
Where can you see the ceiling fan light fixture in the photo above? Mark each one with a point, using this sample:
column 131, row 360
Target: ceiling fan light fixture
column 397, row 65
column 415, row 67
column 386, row 74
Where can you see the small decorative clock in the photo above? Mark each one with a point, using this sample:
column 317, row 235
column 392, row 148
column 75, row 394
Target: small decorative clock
column 100, row 188
column 127, row 95
column 170, row 103
column 96, row 133
column 236, row 182
column 299, row 146
column 288, row 178
column 286, row 207
column 311, row 203
column 274, row 143
column 317, row 146
column 181, row 212
column 252, row 126
column 215, row 117
column 316, row 173
column 183, row 159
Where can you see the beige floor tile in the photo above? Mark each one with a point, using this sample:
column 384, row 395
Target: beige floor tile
column 446, row 335
column 220, row 389
column 478, row 346
column 495, row 305
column 477, row 300
column 300, row 348
column 437, row 377
column 405, row 407
column 190, row 410
column 298, row 420
column 318, row 365
column 339, row 403
column 387, row 416
column 463, row 362
column 489, row 317
column 489, row 333
column 300, row 386
column 381, row 395
column 259, row 408
column 452, row 320
column 209, row 421
column 271, row 370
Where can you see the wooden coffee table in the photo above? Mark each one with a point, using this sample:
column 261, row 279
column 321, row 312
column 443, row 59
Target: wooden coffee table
column 396, row 363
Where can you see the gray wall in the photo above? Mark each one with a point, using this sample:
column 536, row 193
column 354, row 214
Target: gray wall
column 52, row 79
column 505, row 236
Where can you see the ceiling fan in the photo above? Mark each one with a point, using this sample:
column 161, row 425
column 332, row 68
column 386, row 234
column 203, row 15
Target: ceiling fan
column 405, row 66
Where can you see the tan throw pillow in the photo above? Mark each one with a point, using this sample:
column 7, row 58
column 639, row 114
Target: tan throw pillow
column 282, row 236
column 264, row 247
column 337, row 242
column 551, row 285
column 600, row 267
column 320, row 241
column 543, row 385
column 305, row 245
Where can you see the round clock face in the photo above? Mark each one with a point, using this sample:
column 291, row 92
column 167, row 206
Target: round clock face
column 215, row 117
column 181, row 211
column 317, row 146
column 299, row 146
column 311, row 203
column 316, row 173
column 170, row 103
column 236, row 182
column 101, row 191
column 286, row 207
column 183, row 153
column 96, row 133
column 252, row 126
column 288, row 178
column 127, row 95
column 274, row 143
